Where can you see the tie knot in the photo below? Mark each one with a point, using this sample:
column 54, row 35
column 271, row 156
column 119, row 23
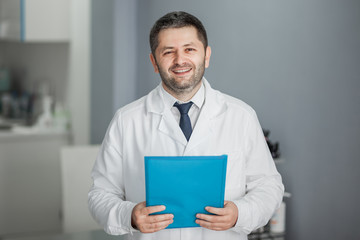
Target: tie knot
column 183, row 108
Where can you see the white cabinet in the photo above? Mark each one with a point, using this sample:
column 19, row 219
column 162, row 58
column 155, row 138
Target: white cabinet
column 30, row 183
column 35, row 20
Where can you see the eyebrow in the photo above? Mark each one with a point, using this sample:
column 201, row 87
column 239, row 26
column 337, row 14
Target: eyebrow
column 189, row 44
column 166, row 48
column 170, row 47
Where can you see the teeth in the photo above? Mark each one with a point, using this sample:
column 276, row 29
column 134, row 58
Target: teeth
column 181, row 71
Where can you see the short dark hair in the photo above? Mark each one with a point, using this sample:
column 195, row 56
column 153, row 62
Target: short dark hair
column 176, row 20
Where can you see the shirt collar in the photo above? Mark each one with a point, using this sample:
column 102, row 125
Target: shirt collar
column 197, row 99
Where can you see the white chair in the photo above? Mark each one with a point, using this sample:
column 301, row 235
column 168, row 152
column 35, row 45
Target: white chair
column 76, row 165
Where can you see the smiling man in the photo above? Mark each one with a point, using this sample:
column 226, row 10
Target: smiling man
column 180, row 58
column 183, row 116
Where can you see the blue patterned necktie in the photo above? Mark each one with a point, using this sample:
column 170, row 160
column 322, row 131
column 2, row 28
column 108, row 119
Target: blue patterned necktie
column 185, row 123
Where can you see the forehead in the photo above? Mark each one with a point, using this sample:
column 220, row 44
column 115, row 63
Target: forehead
column 176, row 36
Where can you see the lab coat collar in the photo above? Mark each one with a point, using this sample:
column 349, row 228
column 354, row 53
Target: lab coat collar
column 197, row 99
column 213, row 106
column 155, row 100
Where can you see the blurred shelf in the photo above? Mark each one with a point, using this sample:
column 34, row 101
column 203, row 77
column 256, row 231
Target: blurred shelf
column 267, row 236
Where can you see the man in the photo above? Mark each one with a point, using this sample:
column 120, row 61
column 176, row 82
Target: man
column 216, row 124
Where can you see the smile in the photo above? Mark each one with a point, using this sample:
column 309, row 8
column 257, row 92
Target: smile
column 182, row 71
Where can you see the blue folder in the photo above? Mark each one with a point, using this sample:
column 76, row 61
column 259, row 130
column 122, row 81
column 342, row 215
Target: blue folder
column 185, row 185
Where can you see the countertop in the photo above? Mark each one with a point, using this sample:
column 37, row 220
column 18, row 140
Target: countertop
column 88, row 235
column 23, row 133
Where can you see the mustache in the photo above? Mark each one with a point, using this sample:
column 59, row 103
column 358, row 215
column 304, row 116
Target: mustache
column 175, row 66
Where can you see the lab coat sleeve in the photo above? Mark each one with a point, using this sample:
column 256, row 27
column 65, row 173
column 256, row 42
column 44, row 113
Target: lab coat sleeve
column 264, row 188
column 106, row 198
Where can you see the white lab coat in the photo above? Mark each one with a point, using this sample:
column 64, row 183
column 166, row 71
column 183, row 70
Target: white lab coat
column 146, row 128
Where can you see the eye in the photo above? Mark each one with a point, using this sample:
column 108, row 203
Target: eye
column 190, row 50
column 167, row 53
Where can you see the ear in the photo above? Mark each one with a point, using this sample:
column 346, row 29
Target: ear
column 207, row 56
column 153, row 61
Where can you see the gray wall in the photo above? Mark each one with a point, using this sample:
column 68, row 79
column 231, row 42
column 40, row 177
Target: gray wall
column 297, row 63
column 102, row 68
column 113, row 61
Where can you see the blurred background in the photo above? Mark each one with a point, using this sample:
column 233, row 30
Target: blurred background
column 67, row 65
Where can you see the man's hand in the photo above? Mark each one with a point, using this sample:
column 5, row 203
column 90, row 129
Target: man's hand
column 146, row 223
column 224, row 219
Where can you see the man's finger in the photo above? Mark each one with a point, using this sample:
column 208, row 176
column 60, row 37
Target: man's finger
column 210, row 225
column 152, row 209
column 211, row 218
column 217, row 211
column 159, row 218
column 154, row 227
column 160, row 225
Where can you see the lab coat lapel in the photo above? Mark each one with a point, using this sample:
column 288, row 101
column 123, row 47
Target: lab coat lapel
column 213, row 107
column 167, row 125
column 170, row 127
column 200, row 133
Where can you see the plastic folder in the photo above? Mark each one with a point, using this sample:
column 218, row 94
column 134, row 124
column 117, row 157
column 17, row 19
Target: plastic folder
column 185, row 185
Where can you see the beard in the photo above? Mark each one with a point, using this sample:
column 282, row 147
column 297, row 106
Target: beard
column 186, row 84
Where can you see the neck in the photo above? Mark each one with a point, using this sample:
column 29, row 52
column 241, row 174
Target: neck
column 183, row 96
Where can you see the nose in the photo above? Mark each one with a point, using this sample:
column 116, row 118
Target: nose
column 179, row 58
